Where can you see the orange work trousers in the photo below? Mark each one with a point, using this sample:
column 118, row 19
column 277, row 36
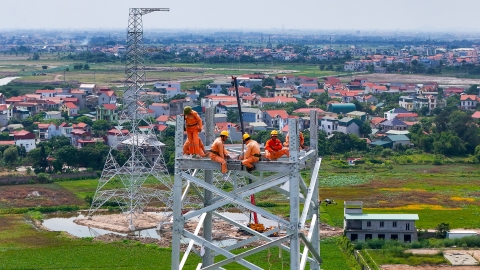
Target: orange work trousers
column 220, row 160
column 192, row 135
column 249, row 161
column 276, row 154
column 186, row 148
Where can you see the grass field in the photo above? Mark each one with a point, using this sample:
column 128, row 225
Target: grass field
column 24, row 247
column 445, row 193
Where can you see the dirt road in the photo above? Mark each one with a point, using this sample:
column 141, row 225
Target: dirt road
column 415, row 78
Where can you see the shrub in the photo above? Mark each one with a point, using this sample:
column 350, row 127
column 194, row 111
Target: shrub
column 43, row 178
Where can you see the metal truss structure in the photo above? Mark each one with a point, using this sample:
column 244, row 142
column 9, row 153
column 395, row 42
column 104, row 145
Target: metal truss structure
column 136, row 137
column 286, row 173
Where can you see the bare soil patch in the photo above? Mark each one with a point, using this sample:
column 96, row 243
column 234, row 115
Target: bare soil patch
column 415, row 78
column 32, row 196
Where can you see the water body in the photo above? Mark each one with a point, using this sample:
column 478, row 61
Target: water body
column 6, row 80
column 65, row 223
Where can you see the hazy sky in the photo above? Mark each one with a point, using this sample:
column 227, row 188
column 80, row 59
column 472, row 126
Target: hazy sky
column 417, row 15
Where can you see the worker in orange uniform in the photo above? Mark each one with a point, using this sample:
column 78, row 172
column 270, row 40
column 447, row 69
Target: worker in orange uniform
column 186, row 148
column 219, row 154
column 193, row 124
column 301, row 140
column 252, row 153
column 274, row 148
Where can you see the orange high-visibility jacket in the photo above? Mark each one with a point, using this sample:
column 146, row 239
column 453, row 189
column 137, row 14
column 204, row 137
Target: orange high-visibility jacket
column 301, row 140
column 193, row 119
column 253, row 149
column 218, row 148
column 273, row 145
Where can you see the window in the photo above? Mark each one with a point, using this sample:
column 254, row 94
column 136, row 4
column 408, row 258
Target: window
column 407, row 226
column 394, row 237
column 382, row 224
column 368, row 237
column 381, row 236
column 369, row 224
column 394, row 224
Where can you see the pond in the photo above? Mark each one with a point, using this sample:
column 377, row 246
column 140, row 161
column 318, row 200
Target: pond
column 6, row 80
column 64, row 222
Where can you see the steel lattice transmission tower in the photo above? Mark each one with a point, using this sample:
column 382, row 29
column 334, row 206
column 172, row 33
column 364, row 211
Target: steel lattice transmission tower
column 135, row 136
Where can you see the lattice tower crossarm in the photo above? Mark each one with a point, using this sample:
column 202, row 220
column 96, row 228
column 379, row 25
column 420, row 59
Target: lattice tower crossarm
column 214, row 197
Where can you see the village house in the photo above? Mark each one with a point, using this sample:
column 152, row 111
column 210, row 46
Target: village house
column 107, row 112
column 25, row 139
column 362, row 227
column 392, row 141
column 275, row 100
column 6, row 113
column 242, row 91
column 176, row 106
column 50, row 115
column 107, row 97
column 251, row 115
column 70, row 109
column 468, row 102
column 349, row 125
column 216, row 86
column 160, row 109
column 46, row 131
column 276, row 119
column 329, row 125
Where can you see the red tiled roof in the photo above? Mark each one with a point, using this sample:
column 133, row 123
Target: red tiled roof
column 307, row 110
column 110, row 106
column 70, row 105
column 162, row 118
column 377, row 120
column 273, row 113
column 400, row 115
column 161, row 127
column 468, row 97
column 476, row 115
column 7, row 142
column 45, row 91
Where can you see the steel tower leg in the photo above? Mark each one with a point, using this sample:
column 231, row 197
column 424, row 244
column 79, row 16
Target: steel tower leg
column 316, row 208
column 178, row 220
column 207, row 258
column 294, row 195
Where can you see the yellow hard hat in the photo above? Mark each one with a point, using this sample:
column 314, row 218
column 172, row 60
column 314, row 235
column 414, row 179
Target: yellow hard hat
column 274, row 132
column 187, row 110
column 246, row 136
column 224, row 133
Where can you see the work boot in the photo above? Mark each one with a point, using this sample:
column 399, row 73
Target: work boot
column 251, row 169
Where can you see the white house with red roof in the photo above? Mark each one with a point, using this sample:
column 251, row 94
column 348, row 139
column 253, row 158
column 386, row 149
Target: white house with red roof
column 275, row 118
column 162, row 119
column 115, row 136
column 213, row 100
column 242, row 91
column 24, row 138
column 69, row 108
column 107, row 97
column 275, row 100
column 79, row 137
column 306, row 88
column 6, row 113
column 160, row 109
column 47, row 131
column 46, row 93
column 65, row 130
column 162, row 86
column 468, row 102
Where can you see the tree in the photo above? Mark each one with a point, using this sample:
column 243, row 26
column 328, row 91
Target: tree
column 442, row 229
column 365, row 129
column 472, row 90
column 67, row 155
column 10, row 155
column 44, row 67
column 86, row 67
column 268, row 82
column 85, row 119
column 232, row 116
column 100, row 126
column 36, row 56
column 224, row 91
